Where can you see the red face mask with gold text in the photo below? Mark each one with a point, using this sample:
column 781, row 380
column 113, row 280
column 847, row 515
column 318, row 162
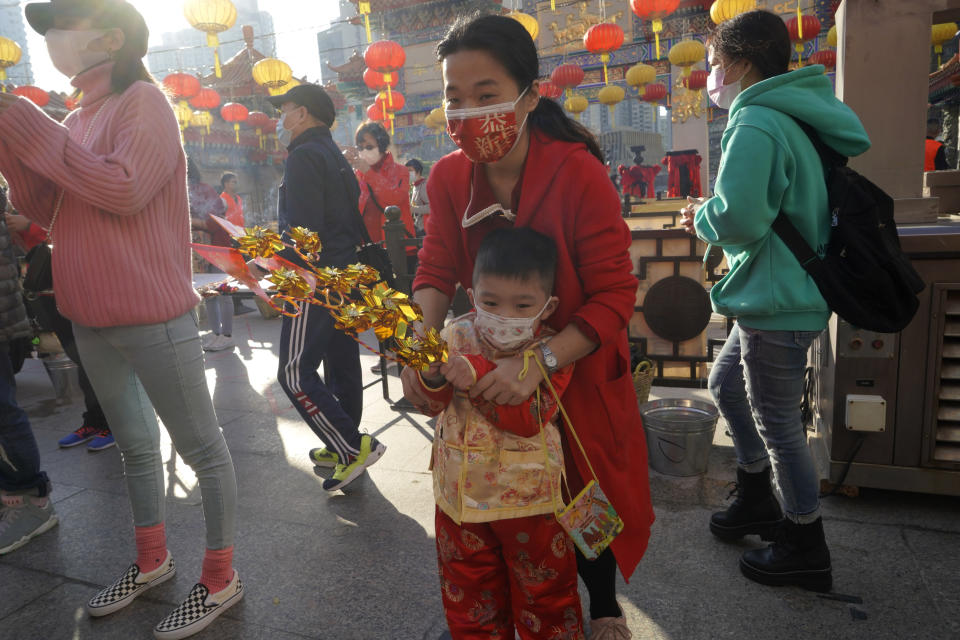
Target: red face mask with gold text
column 485, row 134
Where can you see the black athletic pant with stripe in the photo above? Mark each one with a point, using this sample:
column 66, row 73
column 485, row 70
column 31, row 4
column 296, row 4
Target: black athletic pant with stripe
column 331, row 406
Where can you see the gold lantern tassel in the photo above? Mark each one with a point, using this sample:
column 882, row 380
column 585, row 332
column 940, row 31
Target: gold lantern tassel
column 938, row 48
column 657, row 25
column 605, row 57
column 799, row 36
column 364, row 8
column 236, row 128
column 387, row 78
column 3, row 80
column 553, row 5
column 214, row 43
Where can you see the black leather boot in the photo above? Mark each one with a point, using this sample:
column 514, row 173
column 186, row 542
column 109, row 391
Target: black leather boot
column 755, row 511
column 799, row 556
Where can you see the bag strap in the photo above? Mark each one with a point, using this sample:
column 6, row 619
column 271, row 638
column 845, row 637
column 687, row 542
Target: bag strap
column 782, row 226
column 527, row 356
column 83, row 142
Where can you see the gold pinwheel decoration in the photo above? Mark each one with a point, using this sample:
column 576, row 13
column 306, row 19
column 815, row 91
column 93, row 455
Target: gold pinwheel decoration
column 307, row 241
column 354, row 295
column 258, row 242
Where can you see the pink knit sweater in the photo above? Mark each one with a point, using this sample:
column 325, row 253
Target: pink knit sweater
column 121, row 241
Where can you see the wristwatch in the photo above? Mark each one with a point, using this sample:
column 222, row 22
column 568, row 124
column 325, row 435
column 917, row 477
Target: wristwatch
column 549, row 358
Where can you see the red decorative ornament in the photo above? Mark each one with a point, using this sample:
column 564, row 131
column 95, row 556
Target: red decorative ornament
column 550, row 90
column 375, row 113
column 236, row 113
column 71, row 103
column 376, row 80
column 205, row 99
column 603, row 38
column 696, row 80
column 36, row 95
column 804, row 30
column 258, row 120
column 654, row 11
column 386, row 57
column 390, row 107
column 654, row 92
column 567, row 76
column 182, row 86
column 826, row 57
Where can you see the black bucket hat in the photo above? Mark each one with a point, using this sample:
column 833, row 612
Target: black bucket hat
column 106, row 14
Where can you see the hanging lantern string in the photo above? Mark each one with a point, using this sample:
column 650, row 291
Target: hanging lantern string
column 364, row 8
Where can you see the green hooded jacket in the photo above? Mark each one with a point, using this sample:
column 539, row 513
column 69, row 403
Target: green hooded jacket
column 769, row 164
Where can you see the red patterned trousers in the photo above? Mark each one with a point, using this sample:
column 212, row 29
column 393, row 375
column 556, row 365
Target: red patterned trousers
column 510, row 574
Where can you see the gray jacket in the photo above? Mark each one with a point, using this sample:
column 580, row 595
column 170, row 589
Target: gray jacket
column 13, row 316
column 419, row 204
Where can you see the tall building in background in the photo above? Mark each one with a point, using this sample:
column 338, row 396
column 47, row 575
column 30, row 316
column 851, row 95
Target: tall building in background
column 186, row 50
column 339, row 41
column 13, row 26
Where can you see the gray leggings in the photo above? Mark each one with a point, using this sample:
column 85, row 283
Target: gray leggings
column 220, row 315
column 138, row 369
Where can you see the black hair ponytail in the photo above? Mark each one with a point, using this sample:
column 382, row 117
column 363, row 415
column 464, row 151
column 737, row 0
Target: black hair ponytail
column 510, row 44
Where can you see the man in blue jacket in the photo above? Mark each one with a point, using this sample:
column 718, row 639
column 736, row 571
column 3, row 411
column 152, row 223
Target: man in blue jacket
column 320, row 192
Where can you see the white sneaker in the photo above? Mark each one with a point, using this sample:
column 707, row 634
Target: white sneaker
column 209, row 340
column 199, row 610
column 128, row 586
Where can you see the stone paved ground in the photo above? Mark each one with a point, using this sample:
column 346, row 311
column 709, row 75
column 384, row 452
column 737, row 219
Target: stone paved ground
column 360, row 564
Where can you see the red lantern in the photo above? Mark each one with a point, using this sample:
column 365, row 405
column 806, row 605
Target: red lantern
column 182, row 86
column 696, row 80
column 826, row 57
column 258, row 120
column 550, row 90
column 391, row 107
column 654, row 92
column 236, row 113
column 603, row 38
column 375, row 113
column 36, row 95
column 386, row 57
column 654, row 11
column 205, row 99
column 802, row 31
column 376, row 80
column 567, row 76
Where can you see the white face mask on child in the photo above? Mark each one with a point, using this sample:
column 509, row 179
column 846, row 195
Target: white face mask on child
column 506, row 334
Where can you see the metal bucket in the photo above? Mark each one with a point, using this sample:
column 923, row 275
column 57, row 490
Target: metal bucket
column 679, row 435
column 64, row 376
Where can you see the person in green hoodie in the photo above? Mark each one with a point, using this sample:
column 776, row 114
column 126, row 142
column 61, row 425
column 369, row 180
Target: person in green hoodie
column 757, row 380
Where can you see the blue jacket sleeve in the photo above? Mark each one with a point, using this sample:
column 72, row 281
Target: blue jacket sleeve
column 749, row 189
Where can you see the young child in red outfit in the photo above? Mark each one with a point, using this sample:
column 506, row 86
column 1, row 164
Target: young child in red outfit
column 505, row 562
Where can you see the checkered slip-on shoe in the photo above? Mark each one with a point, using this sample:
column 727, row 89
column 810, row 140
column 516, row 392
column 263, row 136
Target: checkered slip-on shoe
column 199, row 610
column 129, row 586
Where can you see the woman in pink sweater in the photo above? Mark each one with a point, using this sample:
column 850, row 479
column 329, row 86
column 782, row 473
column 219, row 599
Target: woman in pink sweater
column 111, row 184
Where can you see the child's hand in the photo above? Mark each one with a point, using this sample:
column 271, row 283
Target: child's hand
column 459, row 373
column 433, row 375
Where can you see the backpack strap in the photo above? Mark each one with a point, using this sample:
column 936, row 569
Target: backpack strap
column 782, row 226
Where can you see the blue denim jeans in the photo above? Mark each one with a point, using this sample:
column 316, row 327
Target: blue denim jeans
column 757, row 383
column 19, row 457
column 139, row 372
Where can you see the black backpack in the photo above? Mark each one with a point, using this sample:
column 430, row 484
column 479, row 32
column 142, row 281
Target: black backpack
column 864, row 275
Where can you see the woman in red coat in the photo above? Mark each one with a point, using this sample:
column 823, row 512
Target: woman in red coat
column 383, row 182
column 523, row 162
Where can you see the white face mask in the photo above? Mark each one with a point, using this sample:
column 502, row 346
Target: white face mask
column 284, row 135
column 370, row 156
column 506, row 334
column 68, row 50
column 721, row 94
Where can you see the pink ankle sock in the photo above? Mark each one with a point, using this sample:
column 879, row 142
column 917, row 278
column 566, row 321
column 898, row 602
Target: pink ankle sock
column 217, row 569
column 151, row 547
